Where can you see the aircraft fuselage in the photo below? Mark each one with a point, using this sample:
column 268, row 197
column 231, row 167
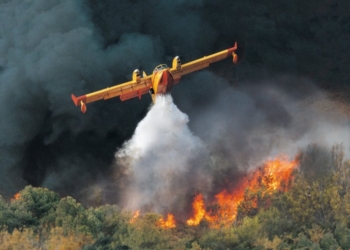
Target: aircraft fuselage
column 160, row 82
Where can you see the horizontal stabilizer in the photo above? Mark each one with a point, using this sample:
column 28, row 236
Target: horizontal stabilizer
column 81, row 100
column 75, row 100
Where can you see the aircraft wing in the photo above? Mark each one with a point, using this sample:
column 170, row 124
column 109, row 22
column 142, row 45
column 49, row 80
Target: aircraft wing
column 135, row 88
column 178, row 70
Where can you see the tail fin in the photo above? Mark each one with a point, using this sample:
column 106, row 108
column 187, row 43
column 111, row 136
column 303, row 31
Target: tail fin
column 80, row 101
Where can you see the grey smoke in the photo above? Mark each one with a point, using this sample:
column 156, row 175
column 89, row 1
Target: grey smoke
column 51, row 49
column 252, row 121
column 48, row 51
column 239, row 129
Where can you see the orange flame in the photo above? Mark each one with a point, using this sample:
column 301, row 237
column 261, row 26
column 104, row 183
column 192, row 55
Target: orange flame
column 273, row 174
column 135, row 216
column 168, row 223
column 198, row 211
column 16, row 197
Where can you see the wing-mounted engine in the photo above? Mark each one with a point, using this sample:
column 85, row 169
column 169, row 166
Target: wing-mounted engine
column 176, row 66
column 234, row 55
column 176, row 63
column 136, row 76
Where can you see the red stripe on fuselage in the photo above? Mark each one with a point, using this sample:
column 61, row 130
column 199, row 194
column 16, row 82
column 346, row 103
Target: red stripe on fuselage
column 166, row 82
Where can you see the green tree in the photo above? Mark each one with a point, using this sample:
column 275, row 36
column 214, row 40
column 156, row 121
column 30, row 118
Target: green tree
column 342, row 235
column 329, row 242
column 3, row 213
column 220, row 239
column 274, row 222
column 70, row 215
column 109, row 225
column 308, row 203
column 249, row 231
column 34, row 206
column 145, row 234
column 41, row 202
column 316, row 233
column 304, row 242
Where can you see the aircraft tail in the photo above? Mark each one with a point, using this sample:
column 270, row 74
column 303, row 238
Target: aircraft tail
column 80, row 101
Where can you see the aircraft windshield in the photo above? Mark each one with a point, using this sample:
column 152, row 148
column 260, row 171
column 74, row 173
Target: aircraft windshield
column 160, row 67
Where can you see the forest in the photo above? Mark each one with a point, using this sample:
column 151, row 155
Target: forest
column 311, row 211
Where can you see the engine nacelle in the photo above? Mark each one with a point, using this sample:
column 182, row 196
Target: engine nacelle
column 234, row 57
column 176, row 63
column 136, row 76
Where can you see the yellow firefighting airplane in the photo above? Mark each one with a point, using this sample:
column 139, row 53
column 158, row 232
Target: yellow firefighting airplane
column 160, row 82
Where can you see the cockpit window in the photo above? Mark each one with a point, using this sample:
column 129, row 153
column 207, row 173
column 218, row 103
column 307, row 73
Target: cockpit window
column 160, row 67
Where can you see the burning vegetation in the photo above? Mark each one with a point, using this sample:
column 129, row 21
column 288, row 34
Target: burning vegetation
column 16, row 197
column 281, row 205
column 169, row 222
column 273, row 175
column 275, row 207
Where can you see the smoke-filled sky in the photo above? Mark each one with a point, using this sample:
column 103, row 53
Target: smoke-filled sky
column 274, row 99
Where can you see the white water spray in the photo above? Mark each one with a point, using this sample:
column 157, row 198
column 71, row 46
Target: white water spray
column 160, row 156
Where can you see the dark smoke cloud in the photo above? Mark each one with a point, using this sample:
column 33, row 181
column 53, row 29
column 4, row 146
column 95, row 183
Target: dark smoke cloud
column 268, row 118
column 50, row 49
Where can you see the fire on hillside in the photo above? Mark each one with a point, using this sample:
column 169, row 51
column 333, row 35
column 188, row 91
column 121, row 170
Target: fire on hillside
column 274, row 174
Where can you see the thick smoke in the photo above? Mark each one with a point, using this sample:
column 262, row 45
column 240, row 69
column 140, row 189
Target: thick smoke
column 51, row 49
column 252, row 121
column 239, row 129
column 165, row 160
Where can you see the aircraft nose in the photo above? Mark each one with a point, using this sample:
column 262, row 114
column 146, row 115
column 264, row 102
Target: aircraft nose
column 165, row 77
column 167, row 81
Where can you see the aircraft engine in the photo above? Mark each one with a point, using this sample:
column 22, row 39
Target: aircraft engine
column 235, row 57
column 136, row 75
column 177, row 63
